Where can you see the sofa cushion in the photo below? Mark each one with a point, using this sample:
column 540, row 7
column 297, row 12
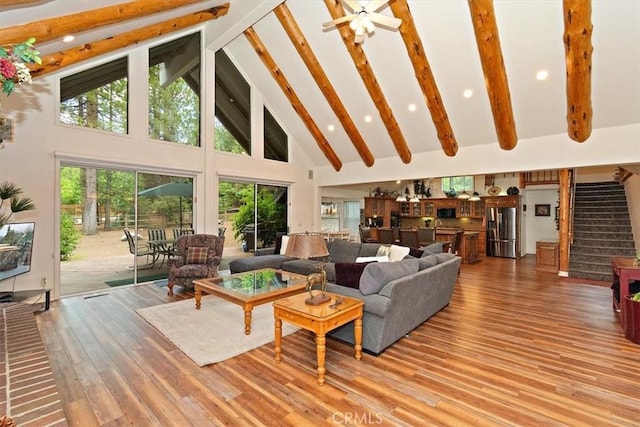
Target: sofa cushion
column 344, row 251
column 369, row 249
column 348, row 273
column 397, row 253
column 427, row 261
column 434, row 248
column 302, row 266
column 378, row 274
column 197, row 255
column 240, row 265
column 444, row 256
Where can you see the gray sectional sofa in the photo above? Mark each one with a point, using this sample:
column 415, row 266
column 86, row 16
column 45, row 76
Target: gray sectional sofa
column 398, row 295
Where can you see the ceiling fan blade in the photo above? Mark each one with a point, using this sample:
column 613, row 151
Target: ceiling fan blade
column 374, row 5
column 337, row 21
column 352, row 5
column 384, row 20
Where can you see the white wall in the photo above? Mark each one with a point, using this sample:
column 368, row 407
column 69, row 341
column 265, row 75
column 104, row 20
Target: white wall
column 539, row 227
column 41, row 144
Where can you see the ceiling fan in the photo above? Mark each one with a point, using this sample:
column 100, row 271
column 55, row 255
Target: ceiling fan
column 364, row 16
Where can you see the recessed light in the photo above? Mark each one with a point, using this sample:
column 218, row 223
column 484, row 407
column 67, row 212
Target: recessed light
column 331, row 128
column 542, row 75
column 68, row 38
column 468, row 93
column 412, row 107
column 368, row 118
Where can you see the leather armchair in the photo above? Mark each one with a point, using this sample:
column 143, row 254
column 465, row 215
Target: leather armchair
column 190, row 262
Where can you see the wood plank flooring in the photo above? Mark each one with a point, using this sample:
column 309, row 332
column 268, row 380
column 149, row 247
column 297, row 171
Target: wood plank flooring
column 515, row 347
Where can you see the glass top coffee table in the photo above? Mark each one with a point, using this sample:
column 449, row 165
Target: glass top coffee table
column 251, row 288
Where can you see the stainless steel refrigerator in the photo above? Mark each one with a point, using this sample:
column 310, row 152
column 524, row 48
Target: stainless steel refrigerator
column 501, row 232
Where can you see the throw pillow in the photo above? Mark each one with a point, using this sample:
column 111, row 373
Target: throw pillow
column 361, row 259
column 383, row 251
column 283, row 247
column 197, row 255
column 434, row 248
column 397, row 253
column 278, row 244
column 377, row 274
column 415, row 252
column 348, row 273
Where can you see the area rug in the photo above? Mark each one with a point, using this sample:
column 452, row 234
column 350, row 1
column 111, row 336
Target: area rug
column 216, row 331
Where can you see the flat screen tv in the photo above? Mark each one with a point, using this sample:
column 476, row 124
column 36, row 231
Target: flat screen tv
column 16, row 243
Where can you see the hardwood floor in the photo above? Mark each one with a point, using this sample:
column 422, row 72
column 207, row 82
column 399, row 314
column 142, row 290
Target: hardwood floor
column 514, row 347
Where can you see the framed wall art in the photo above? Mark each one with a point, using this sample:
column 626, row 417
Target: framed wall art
column 543, row 210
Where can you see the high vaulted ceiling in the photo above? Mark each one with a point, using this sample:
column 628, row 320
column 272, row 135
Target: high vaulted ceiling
column 442, row 49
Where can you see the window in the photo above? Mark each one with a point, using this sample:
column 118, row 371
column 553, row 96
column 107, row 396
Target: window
column 458, row 183
column 276, row 145
column 97, row 98
column 233, row 108
column 174, row 91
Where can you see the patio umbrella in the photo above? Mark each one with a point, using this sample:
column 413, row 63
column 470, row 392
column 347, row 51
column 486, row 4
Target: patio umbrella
column 177, row 189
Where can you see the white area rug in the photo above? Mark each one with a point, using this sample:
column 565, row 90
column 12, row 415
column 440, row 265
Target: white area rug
column 216, row 331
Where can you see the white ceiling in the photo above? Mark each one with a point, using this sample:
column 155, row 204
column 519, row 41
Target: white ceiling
column 531, row 34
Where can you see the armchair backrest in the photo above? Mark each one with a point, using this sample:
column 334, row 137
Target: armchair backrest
column 409, row 238
column 214, row 243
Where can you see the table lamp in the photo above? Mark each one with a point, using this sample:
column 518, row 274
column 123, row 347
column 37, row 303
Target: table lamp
column 310, row 245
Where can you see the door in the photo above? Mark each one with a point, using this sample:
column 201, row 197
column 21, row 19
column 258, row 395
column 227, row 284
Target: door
column 96, row 206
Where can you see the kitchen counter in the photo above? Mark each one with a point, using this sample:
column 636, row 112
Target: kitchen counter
column 469, row 247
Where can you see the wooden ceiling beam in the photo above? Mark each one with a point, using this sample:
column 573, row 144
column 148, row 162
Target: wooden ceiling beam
column 291, row 95
column 495, row 75
column 55, row 62
column 578, row 50
column 60, row 26
column 425, row 78
column 368, row 77
column 313, row 65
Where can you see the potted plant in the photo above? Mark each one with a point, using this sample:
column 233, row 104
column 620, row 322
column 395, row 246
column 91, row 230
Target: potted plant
column 11, row 193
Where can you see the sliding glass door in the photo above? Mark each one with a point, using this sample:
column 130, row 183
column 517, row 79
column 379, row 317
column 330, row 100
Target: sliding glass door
column 252, row 215
column 106, row 239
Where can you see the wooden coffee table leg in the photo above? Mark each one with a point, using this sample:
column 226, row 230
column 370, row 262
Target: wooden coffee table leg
column 278, row 339
column 320, row 353
column 247, row 320
column 198, row 297
column 357, row 332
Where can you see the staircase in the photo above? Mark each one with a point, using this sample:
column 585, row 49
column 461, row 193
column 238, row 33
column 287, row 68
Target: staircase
column 601, row 230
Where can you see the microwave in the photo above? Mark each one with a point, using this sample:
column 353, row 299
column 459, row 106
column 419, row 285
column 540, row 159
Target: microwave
column 446, row 213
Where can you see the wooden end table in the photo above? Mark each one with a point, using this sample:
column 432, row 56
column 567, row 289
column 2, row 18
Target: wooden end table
column 624, row 270
column 319, row 319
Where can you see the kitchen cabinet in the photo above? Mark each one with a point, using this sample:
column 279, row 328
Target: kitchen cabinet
column 410, row 209
column 501, row 201
column 428, row 208
column 380, row 207
column 547, row 255
column 482, row 243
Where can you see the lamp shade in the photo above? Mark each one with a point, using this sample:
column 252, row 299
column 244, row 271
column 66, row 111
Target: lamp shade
column 306, row 245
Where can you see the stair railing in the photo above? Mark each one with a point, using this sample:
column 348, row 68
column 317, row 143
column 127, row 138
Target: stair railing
column 572, row 197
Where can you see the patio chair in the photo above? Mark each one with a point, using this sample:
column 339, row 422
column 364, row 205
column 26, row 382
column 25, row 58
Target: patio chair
column 159, row 243
column 140, row 250
column 197, row 256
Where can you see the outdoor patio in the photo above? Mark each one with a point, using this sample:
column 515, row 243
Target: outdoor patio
column 105, row 257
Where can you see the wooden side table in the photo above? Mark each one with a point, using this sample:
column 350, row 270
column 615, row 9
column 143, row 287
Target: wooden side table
column 319, row 319
column 624, row 271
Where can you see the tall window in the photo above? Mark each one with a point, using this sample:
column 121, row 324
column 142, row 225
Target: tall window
column 233, row 108
column 174, row 91
column 458, row 183
column 97, row 98
column 276, row 146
